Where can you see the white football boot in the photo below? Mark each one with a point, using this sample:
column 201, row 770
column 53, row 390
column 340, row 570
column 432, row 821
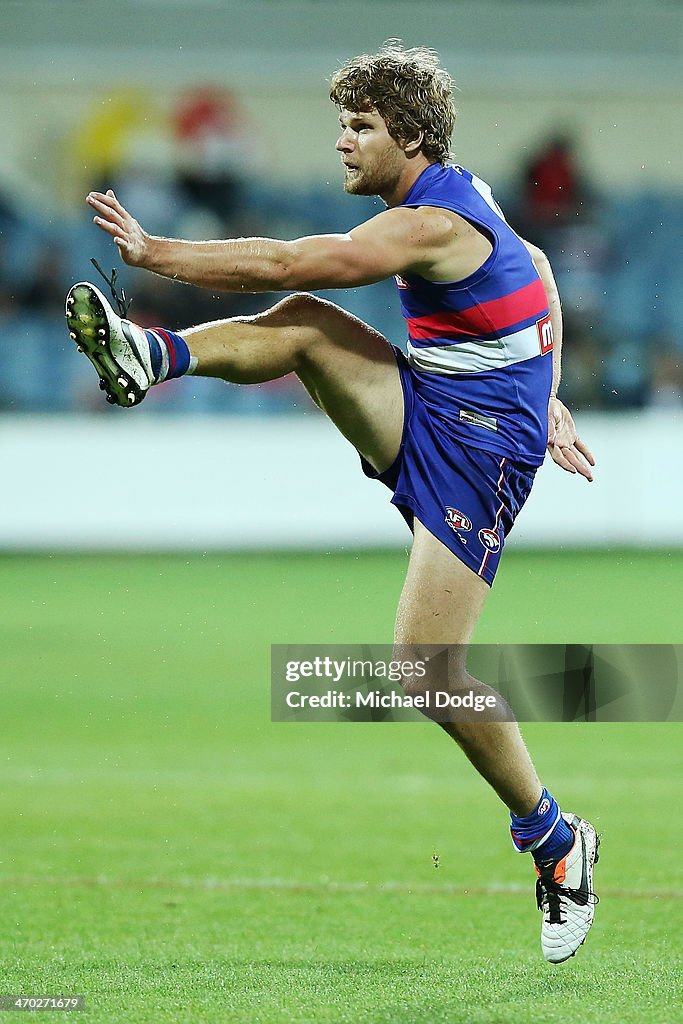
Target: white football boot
column 564, row 893
column 117, row 348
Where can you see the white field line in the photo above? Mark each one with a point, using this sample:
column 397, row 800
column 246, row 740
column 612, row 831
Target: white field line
column 322, row 886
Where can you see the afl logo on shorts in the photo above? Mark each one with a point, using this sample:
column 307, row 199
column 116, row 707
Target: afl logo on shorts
column 401, row 281
column 458, row 520
column 489, row 539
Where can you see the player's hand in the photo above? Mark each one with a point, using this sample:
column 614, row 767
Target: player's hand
column 112, row 217
column 564, row 444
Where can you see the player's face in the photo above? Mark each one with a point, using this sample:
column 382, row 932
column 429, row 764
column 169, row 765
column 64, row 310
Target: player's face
column 373, row 160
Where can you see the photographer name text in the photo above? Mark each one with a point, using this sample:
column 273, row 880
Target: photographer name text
column 382, row 699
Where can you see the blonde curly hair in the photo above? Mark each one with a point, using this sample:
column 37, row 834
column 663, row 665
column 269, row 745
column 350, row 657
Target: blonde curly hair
column 408, row 88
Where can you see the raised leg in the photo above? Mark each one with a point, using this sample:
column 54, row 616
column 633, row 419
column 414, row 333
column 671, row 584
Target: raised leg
column 347, row 367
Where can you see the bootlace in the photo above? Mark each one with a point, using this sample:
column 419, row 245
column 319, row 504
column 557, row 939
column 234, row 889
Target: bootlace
column 121, row 301
column 550, row 893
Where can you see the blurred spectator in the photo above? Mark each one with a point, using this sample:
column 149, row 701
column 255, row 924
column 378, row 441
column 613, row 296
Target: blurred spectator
column 556, row 210
column 215, row 149
column 117, row 127
column 552, row 192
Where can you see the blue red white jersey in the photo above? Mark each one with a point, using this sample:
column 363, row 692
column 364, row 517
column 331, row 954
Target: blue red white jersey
column 481, row 348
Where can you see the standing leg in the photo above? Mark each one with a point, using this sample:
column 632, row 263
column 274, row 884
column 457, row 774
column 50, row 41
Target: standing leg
column 441, row 603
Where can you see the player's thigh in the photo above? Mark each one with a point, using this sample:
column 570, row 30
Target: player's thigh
column 350, row 371
column 442, row 598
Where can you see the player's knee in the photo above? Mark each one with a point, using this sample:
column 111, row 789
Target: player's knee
column 306, row 318
column 428, row 669
column 299, row 307
column 302, row 311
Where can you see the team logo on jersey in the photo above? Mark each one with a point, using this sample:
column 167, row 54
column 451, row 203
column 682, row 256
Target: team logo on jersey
column 489, row 539
column 458, row 520
column 545, row 334
column 401, row 281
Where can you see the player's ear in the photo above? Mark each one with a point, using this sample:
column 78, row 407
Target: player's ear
column 412, row 146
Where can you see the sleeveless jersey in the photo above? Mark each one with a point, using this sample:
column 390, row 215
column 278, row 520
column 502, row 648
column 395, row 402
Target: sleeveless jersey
column 480, row 348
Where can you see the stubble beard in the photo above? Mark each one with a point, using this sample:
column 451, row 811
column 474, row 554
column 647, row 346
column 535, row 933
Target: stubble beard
column 374, row 180
column 358, row 183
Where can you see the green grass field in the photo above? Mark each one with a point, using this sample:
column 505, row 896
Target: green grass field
column 172, row 855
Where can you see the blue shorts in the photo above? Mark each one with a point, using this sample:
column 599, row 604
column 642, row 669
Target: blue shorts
column 467, row 498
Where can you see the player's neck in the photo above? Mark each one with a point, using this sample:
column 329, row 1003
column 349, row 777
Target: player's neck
column 412, row 171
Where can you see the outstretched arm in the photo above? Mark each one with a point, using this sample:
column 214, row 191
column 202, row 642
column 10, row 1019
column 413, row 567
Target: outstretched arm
column 564, row 444
column 388, row 244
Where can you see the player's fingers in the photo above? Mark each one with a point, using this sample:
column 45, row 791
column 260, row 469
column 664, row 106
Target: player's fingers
column 569, row 460
column 558, row 456
column 566, row 439
column 108, row 211
column 585, row 451
column 100, row 197
column 108, row 201
column 578, row 463
column 112, row 229
column 112, row 196
column 110, row 217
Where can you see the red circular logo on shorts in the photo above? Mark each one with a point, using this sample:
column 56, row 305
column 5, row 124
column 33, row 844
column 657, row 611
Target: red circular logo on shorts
column 489, row 539
column 458, row 520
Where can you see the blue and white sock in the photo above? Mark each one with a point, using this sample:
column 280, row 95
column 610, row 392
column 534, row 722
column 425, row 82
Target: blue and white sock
column 544, row 833
column 169, row 354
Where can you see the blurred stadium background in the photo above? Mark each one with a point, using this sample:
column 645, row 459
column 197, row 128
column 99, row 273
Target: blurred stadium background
column 144, row 785
column 213, row 119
